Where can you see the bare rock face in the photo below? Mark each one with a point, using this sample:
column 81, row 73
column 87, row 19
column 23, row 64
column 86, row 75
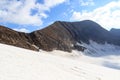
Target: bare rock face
column 59, row 36
column 53, row 37
column 116, row 32
column 11, row 37
column 84, row 31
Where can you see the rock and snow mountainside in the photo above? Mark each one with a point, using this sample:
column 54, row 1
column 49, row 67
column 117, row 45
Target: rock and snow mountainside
column 20, row 64
column 59, row 36
column 99, row 61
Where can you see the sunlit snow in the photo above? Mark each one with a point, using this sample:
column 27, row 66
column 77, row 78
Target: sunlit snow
column 22, row 64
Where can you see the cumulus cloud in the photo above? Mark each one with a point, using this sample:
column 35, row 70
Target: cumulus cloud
column 25, row 12
column 108, row 16
column 80, row 3
column 22, row 30
column 86, row 3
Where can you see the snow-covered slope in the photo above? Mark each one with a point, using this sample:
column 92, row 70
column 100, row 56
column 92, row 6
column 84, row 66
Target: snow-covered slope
column 21, row 64
column 97, row 50
column 107, row 55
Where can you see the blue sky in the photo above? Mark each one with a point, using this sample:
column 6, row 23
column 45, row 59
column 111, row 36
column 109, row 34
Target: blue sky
column 30, row 15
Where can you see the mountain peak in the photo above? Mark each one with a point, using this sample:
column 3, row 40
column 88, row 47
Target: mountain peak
column 60, row 35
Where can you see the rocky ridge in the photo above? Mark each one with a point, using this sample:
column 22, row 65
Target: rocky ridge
column 59, row 36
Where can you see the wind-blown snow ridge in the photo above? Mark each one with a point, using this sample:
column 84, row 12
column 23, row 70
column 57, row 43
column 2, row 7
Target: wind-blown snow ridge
column 21, row 64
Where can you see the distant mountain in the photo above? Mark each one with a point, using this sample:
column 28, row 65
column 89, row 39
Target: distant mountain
column 116, row 32
column 59, row 36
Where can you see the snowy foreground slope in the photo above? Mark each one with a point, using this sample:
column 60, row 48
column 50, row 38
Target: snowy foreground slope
column 21, row 64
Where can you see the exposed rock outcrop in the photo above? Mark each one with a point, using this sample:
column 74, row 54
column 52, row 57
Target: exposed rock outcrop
column 19, row 39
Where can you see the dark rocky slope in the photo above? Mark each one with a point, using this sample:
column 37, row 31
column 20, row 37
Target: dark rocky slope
column 19, row 39
column 89, row 30
column 59, row 35
column 115, row 32
column 53, row 37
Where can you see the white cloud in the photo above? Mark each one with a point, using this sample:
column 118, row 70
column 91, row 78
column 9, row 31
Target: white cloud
column 21, row 11
column 22, row 30
column 86, row 3
column 73, row 3
column 52, row 3
column 108, row 16
column 48, row 4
